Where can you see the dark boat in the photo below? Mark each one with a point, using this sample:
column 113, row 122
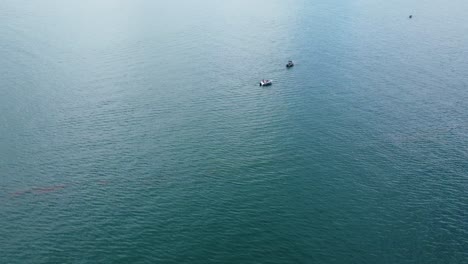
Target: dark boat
column 290, row 64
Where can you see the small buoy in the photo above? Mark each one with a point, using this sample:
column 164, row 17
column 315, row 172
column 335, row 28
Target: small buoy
column 411, row 16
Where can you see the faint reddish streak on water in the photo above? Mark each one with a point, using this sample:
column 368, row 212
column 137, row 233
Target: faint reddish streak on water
column 103, row 182
column 40, row 190
column 19, row 193
column 48, row 189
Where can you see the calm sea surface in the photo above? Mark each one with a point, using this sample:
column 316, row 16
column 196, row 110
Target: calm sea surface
column 135, row 131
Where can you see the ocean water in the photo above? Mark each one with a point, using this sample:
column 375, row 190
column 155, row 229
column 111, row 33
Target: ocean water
column 136, row 132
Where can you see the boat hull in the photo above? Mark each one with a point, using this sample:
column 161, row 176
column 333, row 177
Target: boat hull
column 266, row 83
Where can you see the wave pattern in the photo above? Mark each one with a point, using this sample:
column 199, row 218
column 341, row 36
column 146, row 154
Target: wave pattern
column 135, row 132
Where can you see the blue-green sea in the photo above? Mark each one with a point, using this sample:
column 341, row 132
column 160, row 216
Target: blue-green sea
column 134, row 131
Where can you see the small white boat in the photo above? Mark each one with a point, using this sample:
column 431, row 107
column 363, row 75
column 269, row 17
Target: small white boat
column 266, row 82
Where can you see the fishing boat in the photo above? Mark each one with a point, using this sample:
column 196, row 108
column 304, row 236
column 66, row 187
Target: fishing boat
column 266, row 82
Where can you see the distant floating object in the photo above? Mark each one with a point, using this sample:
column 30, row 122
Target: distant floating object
column 290, row 64
column 411, row 16
column 266, row 82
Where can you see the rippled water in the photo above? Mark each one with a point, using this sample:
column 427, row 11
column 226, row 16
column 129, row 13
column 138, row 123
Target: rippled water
column 135, row 132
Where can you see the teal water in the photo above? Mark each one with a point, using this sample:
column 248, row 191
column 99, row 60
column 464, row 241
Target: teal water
column 135, row 132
